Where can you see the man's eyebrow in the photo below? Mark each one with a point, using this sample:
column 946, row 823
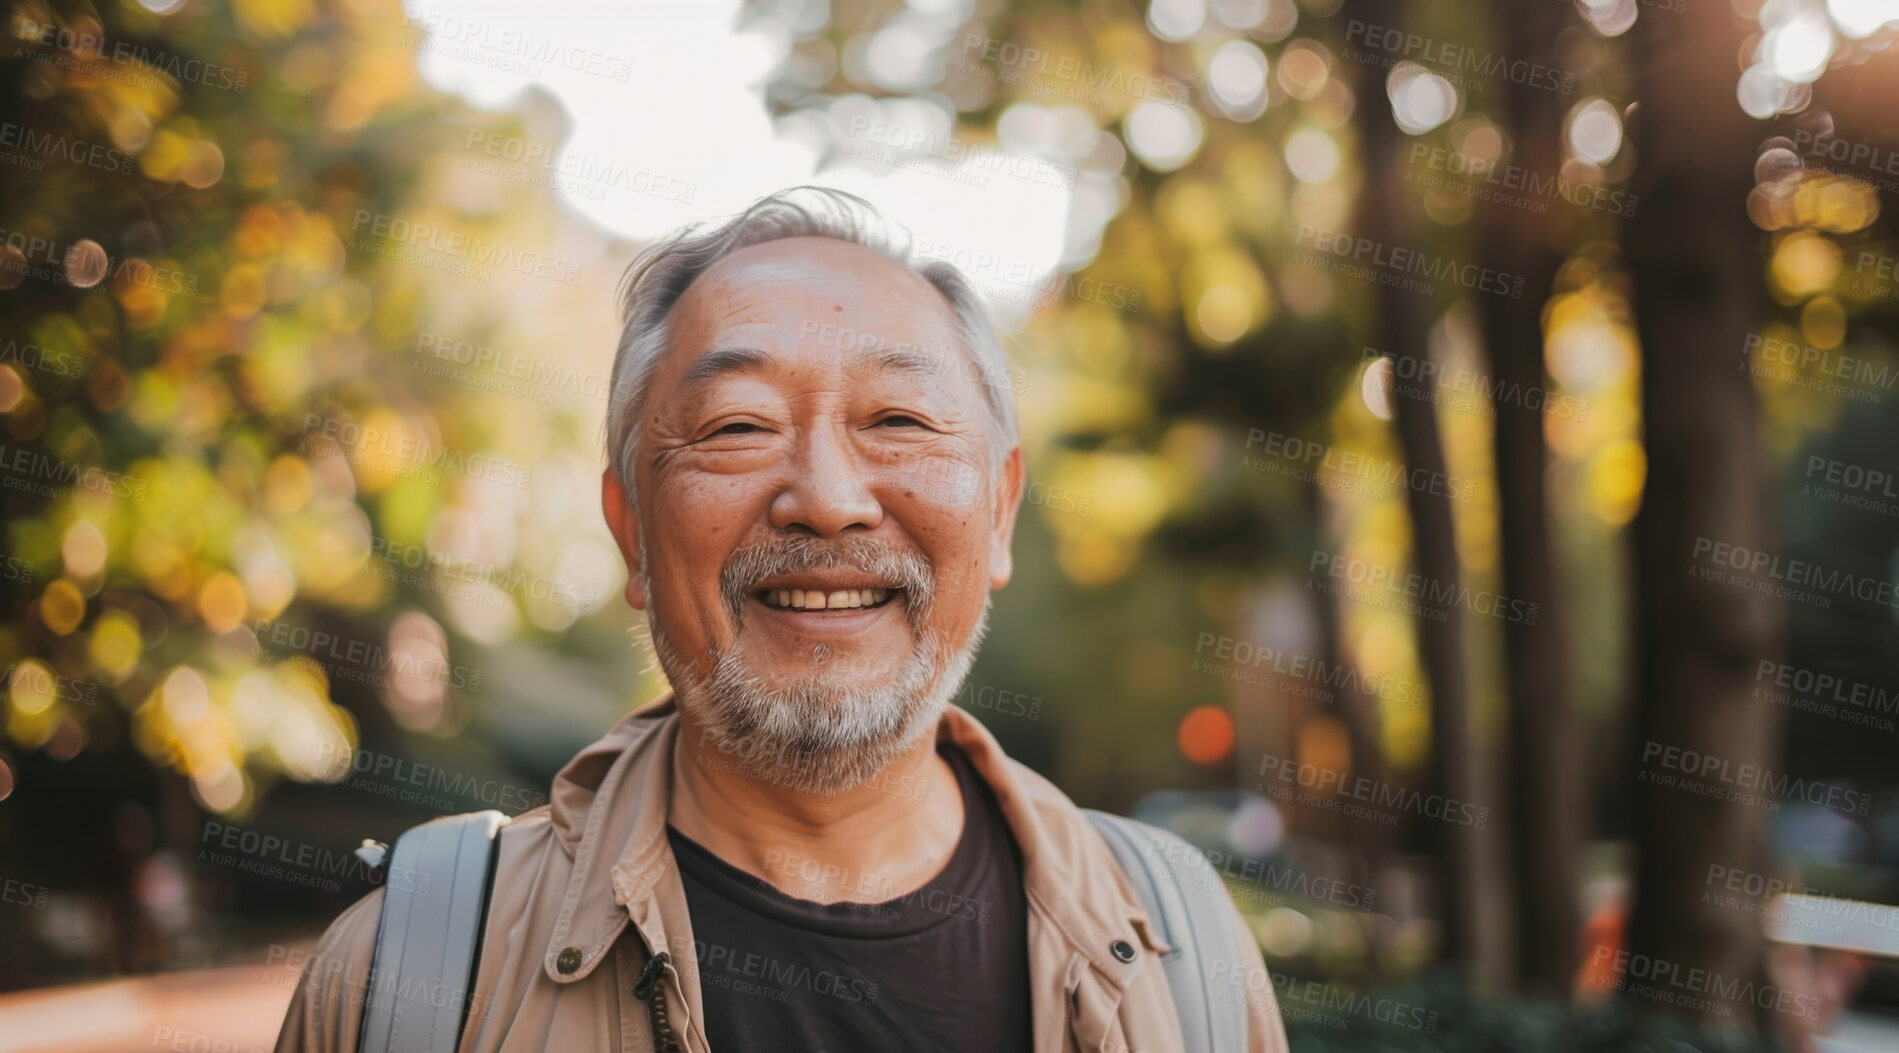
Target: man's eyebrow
column 725, row 361
column 721, row 361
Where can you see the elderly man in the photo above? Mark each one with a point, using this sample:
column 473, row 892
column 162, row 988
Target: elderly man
column 804, row 846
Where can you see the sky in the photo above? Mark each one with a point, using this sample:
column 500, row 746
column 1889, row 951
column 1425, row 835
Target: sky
column 675, row 91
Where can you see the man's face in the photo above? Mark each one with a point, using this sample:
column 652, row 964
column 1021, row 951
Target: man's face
column 820, row 514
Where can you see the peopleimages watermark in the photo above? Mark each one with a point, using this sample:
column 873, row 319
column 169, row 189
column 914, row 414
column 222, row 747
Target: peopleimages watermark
column 1316, row 462
column 133, row 60
column 1855, row 160
column 750, row 972
column 505, row 48
column 366, row 661
column 297, row 862
column 506, row 372
column 1755, row 893
column 1199, row 870
column 580, row 175
column 1761, row 571
column 958, row 483
column 1744, row 783
column 1510, row 184
column 453, row 251
column 887, row 782
column 877, row 895
column 1467, row 66
column 34, row 676
column 917, row 148
column 1660, row 980
column 1073, row 77
column 401, row 778
column 1885, row 270
column 1387, row 587
column 855, row 342
column 1361, row 796
column 1212, row 655
column 24, row 894
column 973, row 695
column 1001, row 700
column 352, row 982
column 1312, row 1001
column 56, row 361
column 1396, row 265
column 16, row 568
column 22, row 466
column 1668, row 6
column 177, row 1041
column 1840, row 374
column 1851, row 485
column 67, row 263
column 1825, row 694
column 465, row 579
column 1459, row 388
column 1013, row 280
column 374, row 447
column 34, row 147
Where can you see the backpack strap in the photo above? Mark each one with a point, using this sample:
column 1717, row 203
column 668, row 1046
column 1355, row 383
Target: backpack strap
column 435, row 898
column 1186, row 900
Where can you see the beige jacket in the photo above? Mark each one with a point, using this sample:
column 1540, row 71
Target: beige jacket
column 585, row 884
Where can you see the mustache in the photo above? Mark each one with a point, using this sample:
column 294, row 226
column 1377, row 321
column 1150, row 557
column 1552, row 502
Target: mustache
column 905, row 568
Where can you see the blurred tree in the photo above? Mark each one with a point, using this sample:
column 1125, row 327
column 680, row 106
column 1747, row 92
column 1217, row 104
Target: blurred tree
column 1544, row 765
column 1695, row 261
column 203, row 340
column 171, row 261
column 1404, row 317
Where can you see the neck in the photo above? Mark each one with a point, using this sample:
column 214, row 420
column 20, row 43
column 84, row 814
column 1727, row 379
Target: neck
column 868, row 844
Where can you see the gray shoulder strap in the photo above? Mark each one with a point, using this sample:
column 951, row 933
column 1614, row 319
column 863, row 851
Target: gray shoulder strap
column 435, row 897
column 1185, row 899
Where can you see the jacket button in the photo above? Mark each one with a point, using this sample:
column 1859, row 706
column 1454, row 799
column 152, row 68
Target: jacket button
column 1123, row 950
column 568, row 961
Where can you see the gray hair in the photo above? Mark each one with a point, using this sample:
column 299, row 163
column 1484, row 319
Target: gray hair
column 663, row 272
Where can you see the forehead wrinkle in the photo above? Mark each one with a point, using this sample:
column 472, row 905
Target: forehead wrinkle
column 899, row 360
column 719, row 362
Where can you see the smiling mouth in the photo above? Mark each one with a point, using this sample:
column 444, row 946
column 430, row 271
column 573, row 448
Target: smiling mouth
column 826, row 600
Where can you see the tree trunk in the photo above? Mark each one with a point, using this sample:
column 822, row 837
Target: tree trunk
column 1694, row 256
column 1545, row 797
column 1357, row 708
column 1405, row 317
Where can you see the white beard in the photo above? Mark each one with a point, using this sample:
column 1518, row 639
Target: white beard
column 826, row 732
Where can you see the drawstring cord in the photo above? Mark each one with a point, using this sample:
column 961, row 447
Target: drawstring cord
column 648, row 989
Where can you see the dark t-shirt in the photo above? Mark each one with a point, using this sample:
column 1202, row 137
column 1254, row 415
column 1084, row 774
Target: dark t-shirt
column 945, row 967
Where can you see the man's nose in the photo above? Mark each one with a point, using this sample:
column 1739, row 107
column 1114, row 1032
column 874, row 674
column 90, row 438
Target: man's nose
column 830, row 490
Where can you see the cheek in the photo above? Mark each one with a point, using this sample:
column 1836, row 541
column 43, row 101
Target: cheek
column 697, row 524
column 954, row 536
column 701, row 505
column 949, row 487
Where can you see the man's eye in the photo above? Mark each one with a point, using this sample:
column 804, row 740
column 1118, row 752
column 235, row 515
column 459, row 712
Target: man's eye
column 737, row 427
column 902, row 420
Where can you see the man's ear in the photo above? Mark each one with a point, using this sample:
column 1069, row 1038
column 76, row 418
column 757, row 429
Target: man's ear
column 1008, row 499
column 625, row 524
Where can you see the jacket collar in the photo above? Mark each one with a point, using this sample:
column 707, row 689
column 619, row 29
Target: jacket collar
column 1067, row 871
column 608, row 807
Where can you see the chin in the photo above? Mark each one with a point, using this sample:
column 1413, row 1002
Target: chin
column 823, row 732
